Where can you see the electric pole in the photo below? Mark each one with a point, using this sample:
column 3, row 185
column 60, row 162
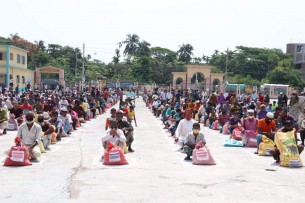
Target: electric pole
column 227, row 63
column 75, row 75
column 83, row 70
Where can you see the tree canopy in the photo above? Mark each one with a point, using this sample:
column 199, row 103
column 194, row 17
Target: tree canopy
column 135, row 59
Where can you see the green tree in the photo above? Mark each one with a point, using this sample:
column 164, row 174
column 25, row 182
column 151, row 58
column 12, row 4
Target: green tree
column 143, row 49
column 285, row 73
column 116, row 58
column 131, row 45
column 185, row 53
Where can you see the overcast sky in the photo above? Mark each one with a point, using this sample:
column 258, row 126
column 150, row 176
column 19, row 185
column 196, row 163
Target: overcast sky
column 205, row 24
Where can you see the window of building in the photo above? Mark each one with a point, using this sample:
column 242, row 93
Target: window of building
column 11, row 56
column 2, row 56
column 18, row 58
column 23, row 79
column 18, row 79
column 300, row 48
column 23, row 59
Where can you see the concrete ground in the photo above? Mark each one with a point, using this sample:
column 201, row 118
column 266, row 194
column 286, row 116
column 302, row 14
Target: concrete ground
column 72, row 171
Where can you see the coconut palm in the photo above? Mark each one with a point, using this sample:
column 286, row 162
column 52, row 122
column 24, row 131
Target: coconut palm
column 185, row 53
column 131, row 44
column 143, row 49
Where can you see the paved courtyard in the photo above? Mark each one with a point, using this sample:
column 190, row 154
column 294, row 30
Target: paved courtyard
column 72, row 171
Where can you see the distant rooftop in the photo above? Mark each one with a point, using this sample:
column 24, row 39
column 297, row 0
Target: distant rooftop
column 2, row 45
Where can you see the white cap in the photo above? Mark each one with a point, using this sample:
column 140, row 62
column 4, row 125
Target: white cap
column 63, row 109
column 270, row 115
column 250, row 111
column 281, row 93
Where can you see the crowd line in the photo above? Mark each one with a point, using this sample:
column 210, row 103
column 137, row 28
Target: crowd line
column 251, row 120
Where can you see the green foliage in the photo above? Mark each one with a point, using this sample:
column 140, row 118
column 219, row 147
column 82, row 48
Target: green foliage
column 285, row 73
column 256, row 62
column 185, row 53
column 145, row 64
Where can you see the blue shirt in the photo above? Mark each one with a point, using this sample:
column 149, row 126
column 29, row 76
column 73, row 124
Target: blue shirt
column 234, row 122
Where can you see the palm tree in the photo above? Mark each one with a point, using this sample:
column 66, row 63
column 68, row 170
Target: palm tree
column 216, row 52
column 15, row 36
column 206, row 59
column 116, row 58
column 197, row 60
column 41, row 45
column 143, row 49
column 131, row 44
column 185, row 53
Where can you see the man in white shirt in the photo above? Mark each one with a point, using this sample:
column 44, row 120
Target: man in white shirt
column 225, row 94
column 168, row 96
column 63, row 103
column 192, row 138
column 184, row 127
column 163, row 96
column 114, row 135
column 30, row 134
column 254, row 96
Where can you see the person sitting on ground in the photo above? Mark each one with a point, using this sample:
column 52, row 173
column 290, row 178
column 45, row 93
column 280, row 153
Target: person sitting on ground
column 74, row 116
column 288, row 126
column 49, row 106
column 201, row 112
column 79, row 110
column 266, row 126
column 126, row 128
column 3, row 119
column 212, row 117
column 269, row 108
column 223, row 118
column 250, row 122
column 63, row 102
column 196, row 108
column 185, row 126
column 38, row 107
column 283, row 117
column 234, row 107
column 274, row 105
column 84, row 105
column 234, row 122
column 17, row 111
column 30, row 134
column 8, row 103
column 192, row 138
column 114, row 135
column 57, row 122
column 262, row 112
column 173, row 128
column 47, row 129
column 191, row 105
column 66, row 120
column 92, row 107
column 26, row 107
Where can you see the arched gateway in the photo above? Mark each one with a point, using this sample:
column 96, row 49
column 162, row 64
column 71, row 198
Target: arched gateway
column 55, row 76
column 209, row 78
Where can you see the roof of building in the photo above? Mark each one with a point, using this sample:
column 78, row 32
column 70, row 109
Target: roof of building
column 2, row 45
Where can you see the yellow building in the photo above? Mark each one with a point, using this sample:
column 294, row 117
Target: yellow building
column 13, row 67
